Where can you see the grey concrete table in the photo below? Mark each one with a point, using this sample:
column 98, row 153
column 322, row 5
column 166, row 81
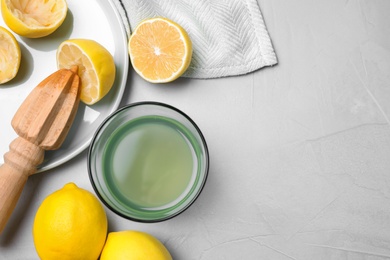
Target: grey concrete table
column 300, row 152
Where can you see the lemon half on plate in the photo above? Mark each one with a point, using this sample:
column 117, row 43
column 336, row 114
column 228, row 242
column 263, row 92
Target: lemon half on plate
column 96, row 67
column 9, row 56
column 40, row 60
column 34, row 18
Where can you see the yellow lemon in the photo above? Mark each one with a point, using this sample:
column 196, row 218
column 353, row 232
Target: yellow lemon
column 34, row 18
column 96, row 67
column 70, row 224
column 133, row 245
column 9, row 56
column 160, row 50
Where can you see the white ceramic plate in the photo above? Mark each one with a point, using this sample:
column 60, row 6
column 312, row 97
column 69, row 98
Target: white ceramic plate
column 91, row 19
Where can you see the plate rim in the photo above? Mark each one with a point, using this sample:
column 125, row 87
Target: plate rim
column 122, row 86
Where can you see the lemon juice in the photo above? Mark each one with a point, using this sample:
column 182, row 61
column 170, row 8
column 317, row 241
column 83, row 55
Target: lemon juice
column 150, row 162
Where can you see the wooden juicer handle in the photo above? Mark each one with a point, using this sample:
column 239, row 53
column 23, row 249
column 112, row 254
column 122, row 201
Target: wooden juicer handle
column 42, row 123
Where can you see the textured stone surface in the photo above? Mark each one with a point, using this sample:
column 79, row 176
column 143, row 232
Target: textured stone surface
column 300, row 152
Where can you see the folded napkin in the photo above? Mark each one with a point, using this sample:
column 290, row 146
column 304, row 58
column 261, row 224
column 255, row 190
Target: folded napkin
column 229, row 37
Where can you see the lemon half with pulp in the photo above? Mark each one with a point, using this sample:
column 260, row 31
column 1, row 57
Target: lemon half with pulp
column 96, row 67
column 34, row 18
column 160, row 50
column 10, row 56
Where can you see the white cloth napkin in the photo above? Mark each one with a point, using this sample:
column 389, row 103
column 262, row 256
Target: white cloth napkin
column 229, row 37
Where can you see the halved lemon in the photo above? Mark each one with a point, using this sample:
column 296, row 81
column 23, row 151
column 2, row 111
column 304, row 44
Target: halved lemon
column 96, row 67
column 34, row 18
column 160, row 50
column 9, row 56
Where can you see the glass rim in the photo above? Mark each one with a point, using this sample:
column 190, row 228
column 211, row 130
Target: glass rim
column 186, row 204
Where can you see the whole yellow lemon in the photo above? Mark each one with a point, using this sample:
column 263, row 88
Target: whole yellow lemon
column 70, row 224
column 133, row 245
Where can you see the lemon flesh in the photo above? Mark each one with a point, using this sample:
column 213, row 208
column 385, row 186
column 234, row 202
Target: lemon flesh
column 34, row 18
column 10, row 56
column 96, row 67
column 134, row 245
column 70, row 224
column 160, row 50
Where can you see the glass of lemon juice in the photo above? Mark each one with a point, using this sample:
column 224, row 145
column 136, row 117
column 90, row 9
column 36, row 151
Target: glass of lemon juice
column 148, row 162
